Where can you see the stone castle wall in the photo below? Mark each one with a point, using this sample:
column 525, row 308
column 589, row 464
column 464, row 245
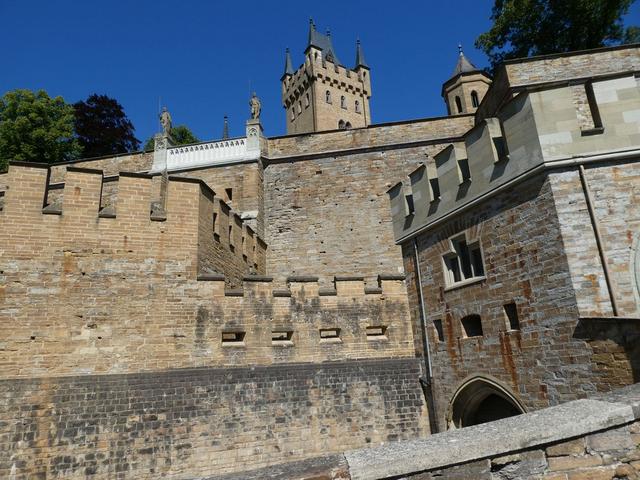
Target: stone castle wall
column 327, row 212
column 127, row 358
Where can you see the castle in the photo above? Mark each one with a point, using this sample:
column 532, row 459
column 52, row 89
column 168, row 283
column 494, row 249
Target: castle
column 223, row 307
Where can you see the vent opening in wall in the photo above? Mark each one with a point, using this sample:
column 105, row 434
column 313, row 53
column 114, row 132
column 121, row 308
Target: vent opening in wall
column 282, row 337
column 471, row 326
column 233, row 338
column 511, row 316
column 329, row 334
column 376, row 332
column 437, row 324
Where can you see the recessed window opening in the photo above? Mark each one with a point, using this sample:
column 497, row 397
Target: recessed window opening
column 511, row 316
column 465, row 262
column 281, row 336
column 357, row 105
column 347, row 126
column 329, row 334
column 299, row 107
column 232, row 337
column 343, row 102
column 293, row 114
column 437, row 324
column 474, row 99
column 471, row 326
column 341, row 125
column 458, row 104
column 327, row 96
column 306, row 100
column 378, row 331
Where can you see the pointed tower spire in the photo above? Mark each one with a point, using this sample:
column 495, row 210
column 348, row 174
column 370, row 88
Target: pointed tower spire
column 360, row 61
column 225, row 129
column 463, row 65
column 288, row 68
column 312, row 31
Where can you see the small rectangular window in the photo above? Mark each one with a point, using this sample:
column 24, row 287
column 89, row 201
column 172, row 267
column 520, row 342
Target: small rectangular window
column 465, row 262
column 282, row 337
column 376, row 332
column 437, row 324
column 233, row 338
column 476, row 260
column 511, row 314
column 472, row 326
column 329, row 334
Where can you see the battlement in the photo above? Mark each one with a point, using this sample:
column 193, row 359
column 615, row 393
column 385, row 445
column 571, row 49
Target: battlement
column 581, row 118
column 131, row 211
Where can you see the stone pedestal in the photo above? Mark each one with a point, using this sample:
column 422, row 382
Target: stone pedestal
column 254, row 135
column 161, row 144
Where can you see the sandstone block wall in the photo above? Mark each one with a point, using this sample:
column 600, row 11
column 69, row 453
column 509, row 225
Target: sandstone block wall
column 615, row 189
column 187, row 424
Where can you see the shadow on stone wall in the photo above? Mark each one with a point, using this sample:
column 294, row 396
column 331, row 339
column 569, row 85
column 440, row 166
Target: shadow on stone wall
column 615, row 346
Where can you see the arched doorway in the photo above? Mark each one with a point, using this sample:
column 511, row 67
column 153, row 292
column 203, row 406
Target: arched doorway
column 481, row 400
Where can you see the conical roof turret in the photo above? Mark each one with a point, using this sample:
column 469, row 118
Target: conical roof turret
column 288, row 66
column 322, row 42
column 463, row 65
column 360, row 61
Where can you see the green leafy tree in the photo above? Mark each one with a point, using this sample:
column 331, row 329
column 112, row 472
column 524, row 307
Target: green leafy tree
column 536, row 27
column 180, row 135
column 102, row 128
column 36, row 128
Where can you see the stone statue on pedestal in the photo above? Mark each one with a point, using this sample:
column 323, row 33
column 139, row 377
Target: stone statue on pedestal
column 165, row 121
column 255, row 105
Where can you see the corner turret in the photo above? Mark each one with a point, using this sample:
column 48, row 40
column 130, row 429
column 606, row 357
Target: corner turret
column 466, row 88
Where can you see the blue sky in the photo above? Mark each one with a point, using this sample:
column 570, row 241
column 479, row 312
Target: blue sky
column 202, row 58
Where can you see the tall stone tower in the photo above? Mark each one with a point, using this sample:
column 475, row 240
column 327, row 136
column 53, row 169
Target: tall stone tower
column 323, row 94
column 466, row 88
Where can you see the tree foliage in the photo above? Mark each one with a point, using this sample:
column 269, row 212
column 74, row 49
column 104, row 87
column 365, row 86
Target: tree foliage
column 103, row 128
column 180, row 135
column 36, row 128
column 536, row 27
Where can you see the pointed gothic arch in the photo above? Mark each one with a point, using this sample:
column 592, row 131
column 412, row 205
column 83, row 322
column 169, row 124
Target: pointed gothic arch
column 480, row 400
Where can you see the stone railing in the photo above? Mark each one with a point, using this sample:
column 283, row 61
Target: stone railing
column 200, row 154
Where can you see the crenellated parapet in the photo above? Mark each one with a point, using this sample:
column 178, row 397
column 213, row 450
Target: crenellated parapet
column 129, row 213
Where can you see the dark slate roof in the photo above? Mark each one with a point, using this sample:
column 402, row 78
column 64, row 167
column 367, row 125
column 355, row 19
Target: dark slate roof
column 463, row 65
column 360, row 61
column 288, row 68
column 322, row 42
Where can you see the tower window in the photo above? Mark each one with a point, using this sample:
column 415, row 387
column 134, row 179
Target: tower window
column 343, row 102
column 472, row 326
column 458, row 104
column 347, row 126
column 464, row 262
column 299, row 107
column 474, row 99
column 327, row 96
column 341, row 124
column 357, row 106
column 293, row 113
column 306, row 100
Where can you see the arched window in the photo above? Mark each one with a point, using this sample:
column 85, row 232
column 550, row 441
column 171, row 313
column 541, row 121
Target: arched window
column 306, row 100
column 341, row 124
column 327, row 96
column 299, row 106
column 357, row 106
column 474, row 99
column 347, row 126
column 458, row 104
column 343, row 102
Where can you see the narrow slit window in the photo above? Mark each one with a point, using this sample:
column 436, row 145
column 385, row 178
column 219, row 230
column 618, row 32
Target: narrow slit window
column 376, row 332
column 458, row 104
column 233, row 338
column 282, row 337
column 327, row 96
column 511, row 314
column 357, row 105
column 229, row 192
column 329, row 334
column 474, row 99
column 343, row 102
column 437, row 324
column 472, row 326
